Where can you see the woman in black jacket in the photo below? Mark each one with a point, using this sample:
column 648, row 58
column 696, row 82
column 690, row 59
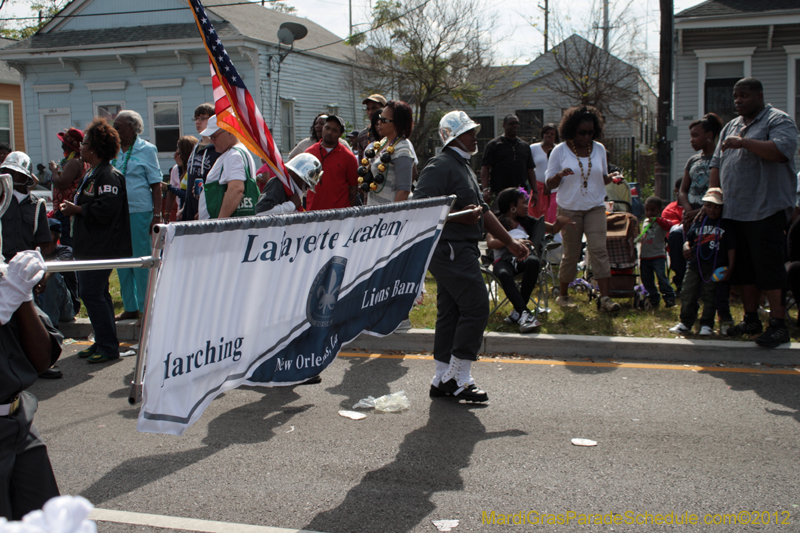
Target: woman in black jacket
column 101, row 230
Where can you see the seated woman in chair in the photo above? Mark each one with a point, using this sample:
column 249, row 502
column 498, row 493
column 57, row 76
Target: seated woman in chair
column 511, row 206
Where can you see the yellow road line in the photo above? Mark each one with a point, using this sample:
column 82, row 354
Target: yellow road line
column 644, row 366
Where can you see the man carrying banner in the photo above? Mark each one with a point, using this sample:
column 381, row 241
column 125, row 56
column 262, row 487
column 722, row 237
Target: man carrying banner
column 230, row 189
column 305, row 170
column 462, row 300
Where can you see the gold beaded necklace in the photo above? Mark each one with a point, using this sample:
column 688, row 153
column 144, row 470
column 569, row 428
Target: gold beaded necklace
column 366, row 180
column 585, row 177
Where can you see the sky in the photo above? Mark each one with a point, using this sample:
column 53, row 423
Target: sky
column 518, row 41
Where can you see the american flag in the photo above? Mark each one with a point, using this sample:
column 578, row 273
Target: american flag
column 236, row 110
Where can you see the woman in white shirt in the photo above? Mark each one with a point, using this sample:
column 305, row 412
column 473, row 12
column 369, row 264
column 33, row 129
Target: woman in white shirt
column 546, row 203
column 578, row 168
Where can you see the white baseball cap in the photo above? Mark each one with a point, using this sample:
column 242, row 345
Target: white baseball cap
column 211, row 127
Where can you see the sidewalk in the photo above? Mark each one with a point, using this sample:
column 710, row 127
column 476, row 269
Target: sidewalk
column 541, row 345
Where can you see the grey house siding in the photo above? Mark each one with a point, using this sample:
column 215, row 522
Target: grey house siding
column 769, row 66
column 302, row 77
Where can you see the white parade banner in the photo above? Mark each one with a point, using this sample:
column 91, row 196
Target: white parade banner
column 271, row 300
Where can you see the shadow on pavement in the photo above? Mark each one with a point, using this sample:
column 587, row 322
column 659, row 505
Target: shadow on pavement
column 76, row 372
column 397, row 497
column 365, row 377
column 779, row 389
column 231, row 427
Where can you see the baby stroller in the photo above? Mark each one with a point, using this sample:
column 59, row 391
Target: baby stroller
column 621, row 230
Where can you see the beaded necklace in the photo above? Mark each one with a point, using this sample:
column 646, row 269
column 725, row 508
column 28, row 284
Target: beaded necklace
column 714, row 253
column 585, row 177
column 124, row 168
column 371, row 183
column 86, row 177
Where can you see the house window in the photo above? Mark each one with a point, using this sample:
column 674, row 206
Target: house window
column 6, row 123
column 287, row 126
column 719, row 82
column 332, row 109
column 165, row 123
column 530, row 124
column 793, row 81
column 717, row 71
column 108, row 110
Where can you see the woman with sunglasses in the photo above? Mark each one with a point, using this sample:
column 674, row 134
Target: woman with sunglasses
column 393, row 161
column 578, row 168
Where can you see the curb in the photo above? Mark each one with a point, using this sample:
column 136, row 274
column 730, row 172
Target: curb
column 542, row 345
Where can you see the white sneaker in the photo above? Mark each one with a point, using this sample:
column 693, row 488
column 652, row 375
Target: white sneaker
column 527, row 322
column 680, row 328
column 564, row 301
column 706, row 331
column 513, row 318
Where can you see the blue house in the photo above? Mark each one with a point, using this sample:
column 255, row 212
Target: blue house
column 97, row 57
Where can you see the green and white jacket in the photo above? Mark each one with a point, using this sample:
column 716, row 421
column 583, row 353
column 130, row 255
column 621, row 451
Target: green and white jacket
column 235, row 164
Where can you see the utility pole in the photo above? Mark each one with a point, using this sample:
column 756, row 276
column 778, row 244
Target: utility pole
column 664, row 146
column 356, row 125
column 546, row 9
column 605, row 25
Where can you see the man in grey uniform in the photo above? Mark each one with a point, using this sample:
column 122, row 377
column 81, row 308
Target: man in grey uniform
column 462, row 300
column 28, row 346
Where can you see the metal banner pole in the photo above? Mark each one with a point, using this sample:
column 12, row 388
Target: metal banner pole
column 135, row 396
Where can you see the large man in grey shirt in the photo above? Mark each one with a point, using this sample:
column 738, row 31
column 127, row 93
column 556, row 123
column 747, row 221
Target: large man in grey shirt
column 754, row 167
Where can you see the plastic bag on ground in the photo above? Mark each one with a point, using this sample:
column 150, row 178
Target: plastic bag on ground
column 389, row 403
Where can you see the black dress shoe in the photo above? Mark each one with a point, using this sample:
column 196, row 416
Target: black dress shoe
column 312, row 380
column 470, row 393
column 52, row 373
column 436, row 392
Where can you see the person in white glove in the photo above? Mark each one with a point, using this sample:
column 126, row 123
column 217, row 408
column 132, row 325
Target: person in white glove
column 28, row 346
column 21, row 275
column 305, row 170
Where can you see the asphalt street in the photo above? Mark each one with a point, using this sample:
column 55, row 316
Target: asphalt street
column 671, row 440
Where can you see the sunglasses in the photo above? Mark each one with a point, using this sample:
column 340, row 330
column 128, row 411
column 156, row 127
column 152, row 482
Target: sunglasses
column 584, row 133
column 384, row 119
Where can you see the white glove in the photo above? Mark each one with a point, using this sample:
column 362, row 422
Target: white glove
column 22, row 274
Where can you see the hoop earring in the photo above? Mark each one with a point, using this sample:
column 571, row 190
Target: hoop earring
column 513, row 209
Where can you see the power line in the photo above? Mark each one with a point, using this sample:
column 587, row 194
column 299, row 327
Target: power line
column 423, row 4
column 78, row 15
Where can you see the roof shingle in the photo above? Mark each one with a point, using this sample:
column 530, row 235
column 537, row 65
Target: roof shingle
column 716, row 8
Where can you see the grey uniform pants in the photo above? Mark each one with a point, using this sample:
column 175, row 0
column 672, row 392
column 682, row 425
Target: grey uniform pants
column 462, row 301
column 26, row 477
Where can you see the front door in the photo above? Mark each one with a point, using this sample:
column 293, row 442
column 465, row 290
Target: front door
column 51, row 145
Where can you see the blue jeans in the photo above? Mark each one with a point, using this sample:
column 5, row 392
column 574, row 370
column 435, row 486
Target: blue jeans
column 56, row 301
column 656, row 267
column 93, row 289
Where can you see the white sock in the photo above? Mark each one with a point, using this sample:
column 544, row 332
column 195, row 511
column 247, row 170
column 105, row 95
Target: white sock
column 459, row 369
column 441, row 368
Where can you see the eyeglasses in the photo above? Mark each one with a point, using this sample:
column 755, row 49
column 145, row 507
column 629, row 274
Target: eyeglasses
column 203, row 117
column 384, row 119
column 583, row 133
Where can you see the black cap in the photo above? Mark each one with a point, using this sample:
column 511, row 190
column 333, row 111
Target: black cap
column 337, row 119
column 55, row 225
